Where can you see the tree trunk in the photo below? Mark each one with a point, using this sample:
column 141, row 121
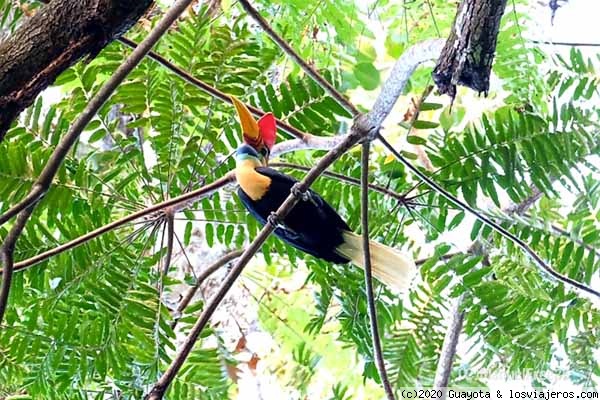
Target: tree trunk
column 56, row 37
column 469, row 51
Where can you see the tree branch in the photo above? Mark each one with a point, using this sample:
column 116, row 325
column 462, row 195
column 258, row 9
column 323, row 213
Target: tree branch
column 310, row 71
column 6, row 257
column 372, row 310
column 444, row 366
column 174, row 202
column 489, row 222
column 448, row 352
column 170, row 239
column 160, row 387
column 227, row 257
column 343, row 178
column 42, row 47
column 60, row 152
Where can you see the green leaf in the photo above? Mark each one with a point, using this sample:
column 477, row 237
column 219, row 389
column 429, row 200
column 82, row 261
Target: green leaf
column 367, row 75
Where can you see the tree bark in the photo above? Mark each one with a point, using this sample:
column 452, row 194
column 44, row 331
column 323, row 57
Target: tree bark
column 52, row 40
column 469, row 51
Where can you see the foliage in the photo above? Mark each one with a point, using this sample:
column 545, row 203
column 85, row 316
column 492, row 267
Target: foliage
column 96, row 322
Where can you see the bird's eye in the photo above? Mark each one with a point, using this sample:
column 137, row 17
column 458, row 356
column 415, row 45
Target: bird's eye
column 264, row 152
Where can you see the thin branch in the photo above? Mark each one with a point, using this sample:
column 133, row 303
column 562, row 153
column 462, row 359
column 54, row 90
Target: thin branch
column 187, row 298
column 212, row 91
column 6, row 257
column 174, row 202
column 62, row 149
column 401, row 72
column 170, row 239
column 364, row 211
column 571, row 44
column 348, row 179
column 483, row 218
column 310, row 71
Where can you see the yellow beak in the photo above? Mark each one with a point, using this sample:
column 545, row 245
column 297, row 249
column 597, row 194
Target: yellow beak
column 249, row 125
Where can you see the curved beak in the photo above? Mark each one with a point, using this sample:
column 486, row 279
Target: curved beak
column 249, row 125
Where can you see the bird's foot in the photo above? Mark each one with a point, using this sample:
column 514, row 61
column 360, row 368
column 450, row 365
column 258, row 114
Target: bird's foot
column 297, row 191
column 274, row 220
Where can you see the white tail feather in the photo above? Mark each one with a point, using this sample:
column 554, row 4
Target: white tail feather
column 389, row 265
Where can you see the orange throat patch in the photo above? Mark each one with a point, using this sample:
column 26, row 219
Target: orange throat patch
column 255, row 185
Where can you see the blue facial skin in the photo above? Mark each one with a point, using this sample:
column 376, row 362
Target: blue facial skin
column 246, row 152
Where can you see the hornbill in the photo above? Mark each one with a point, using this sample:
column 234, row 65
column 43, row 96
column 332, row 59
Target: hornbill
column 312, row 226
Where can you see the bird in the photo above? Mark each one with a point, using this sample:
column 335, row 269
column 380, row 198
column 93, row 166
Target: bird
column 312, row 226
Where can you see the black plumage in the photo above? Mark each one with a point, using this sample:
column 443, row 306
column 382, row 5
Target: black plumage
column 312, row 226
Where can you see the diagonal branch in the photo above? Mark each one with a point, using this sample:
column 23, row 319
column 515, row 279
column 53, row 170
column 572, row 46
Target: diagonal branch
column 489, row 222
column 448, row 352
column 310, row 71
column 364, row 211
column 187, row 298
column 160, row 387
column 199, row 193
column 212, row 91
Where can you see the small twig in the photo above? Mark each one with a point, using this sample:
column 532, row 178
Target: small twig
column 310, row 71
column 372, row 310
column 170, row 239
column 193, row 195
column 445, row 257
column 227, row 257
column 498, row 228
column 571, row 44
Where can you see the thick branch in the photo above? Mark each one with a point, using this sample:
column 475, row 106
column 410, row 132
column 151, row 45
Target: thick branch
column 41, row 48
column 469, row 52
